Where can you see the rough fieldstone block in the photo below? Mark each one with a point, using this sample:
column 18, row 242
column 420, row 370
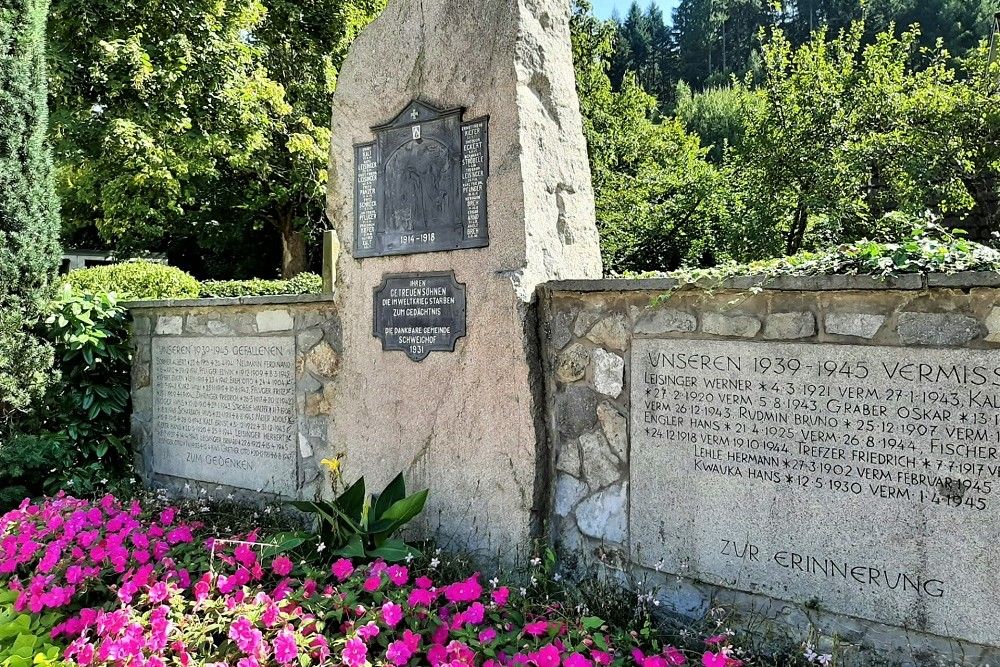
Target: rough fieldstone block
column 615, row 428
column 571, row 365
column 602, row 515
column 323, row 360
column 611, row 332
column 665, row 320
column 141, row 325
column 569, row 492
column 584, row 321
column 609, row 372
column 937, row 328
column 305, row 448
column 790, row 326
column 169, row 325
column 600, row 466
column 736, row 326
column 993, row 325
column 307, row 339
column 859, row 325
column 576, row 411
column 568, row 460
column 274, row 320
column 561, row 330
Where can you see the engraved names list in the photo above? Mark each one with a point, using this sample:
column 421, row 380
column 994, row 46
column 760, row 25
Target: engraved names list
column 224, row 411
column 865, row 478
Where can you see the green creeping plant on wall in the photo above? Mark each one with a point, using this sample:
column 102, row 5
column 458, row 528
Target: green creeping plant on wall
column 24, row 638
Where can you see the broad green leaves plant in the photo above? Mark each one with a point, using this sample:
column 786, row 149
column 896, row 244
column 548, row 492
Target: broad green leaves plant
column 24, row 638
column 357, row 526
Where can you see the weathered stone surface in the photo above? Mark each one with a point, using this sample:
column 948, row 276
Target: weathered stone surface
column 584, row 320
column 609, row 372
column 859, row 325
column 657, row 321
column 224, row 324
column 611, row 332
column 734, row 326
column 569, row 491
column 600, row 466
column 305, row 448
column 323, row 360
column 571, row 364
column 169, row 325
column 603, row 515
column 305, row 340
column 789, row 326
column 141, row 325
column 615, row 427
column 568, row 460
column 561, row 329
column 464, row 424
column 317, row 404
column 993, row 325
column 576, row 411
column 937, row 328
column 274, row 320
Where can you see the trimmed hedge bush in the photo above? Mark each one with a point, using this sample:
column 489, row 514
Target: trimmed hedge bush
column 304, row 283
column 136, row 280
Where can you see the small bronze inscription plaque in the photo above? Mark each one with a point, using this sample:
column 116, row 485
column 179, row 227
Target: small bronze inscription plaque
column 421, row 185
column 419, row 313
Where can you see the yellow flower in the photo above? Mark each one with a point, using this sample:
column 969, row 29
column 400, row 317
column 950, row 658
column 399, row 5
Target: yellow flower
column 333, row 465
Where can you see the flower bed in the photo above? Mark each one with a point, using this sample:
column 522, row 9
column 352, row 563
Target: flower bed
column 147, row 589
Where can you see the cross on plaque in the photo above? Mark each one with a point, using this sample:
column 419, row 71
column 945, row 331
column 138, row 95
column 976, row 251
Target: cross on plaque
column 414, row 114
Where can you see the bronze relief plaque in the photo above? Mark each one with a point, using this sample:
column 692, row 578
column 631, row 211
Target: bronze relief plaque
column 420, row 186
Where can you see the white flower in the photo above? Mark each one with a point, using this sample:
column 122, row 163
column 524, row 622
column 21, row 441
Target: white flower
column 534, row 582
column 434, row 563
column 320, row 547
column 97, row 109
column 409, row 557
column 104, row 481
column 536, row 561
column 556, row 577
column 523, row 591
column 437, row 552
column 825, row 659
column 809, row 653
column 494, row 582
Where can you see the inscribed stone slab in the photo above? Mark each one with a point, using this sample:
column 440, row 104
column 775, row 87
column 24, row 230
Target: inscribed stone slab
column 224, row 411
column 862, row 478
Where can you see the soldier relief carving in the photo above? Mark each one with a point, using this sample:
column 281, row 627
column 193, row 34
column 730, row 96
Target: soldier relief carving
column 420, row 186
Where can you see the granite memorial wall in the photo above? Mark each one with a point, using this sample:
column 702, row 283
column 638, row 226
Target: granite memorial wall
column 825, row 452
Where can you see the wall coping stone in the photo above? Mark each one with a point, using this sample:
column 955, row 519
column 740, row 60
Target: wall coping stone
column 277, row 299
column 909, row 281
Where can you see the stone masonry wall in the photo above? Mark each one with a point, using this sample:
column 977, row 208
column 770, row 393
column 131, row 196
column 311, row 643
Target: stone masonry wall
column 310, row 321
column 588, row 330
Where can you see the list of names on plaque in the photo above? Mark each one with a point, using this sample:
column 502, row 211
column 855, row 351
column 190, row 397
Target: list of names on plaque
column 224, row 411
column 365, row 196
column 847, row 474
column 474, row 177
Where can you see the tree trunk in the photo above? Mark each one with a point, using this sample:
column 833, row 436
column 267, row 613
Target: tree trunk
column 293, row 247
column 798, row 230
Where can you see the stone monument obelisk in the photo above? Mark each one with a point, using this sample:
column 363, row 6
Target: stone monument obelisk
column 459, row 182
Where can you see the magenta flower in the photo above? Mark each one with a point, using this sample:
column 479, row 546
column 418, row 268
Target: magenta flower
column 673, row 656
column 710, row 659
column 159, row 592
column 285, row 649
column 368, row 631
column 464, row 591
column 355, row 653
column 536, row 629
column 392, row 614
column 576, row 660
column 398, row 574
column 342, row 569
column 372, row 583
column 487, row 636
column 281, row 566
column 547, row 656
column 420, row 597
column 398, row 653
column 500, row 596
column 246, row 637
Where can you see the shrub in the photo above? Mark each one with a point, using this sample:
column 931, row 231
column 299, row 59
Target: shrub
column 136, row 280
column 304, row 283
column 24, row 638
column 29, row 218
column 79, row 439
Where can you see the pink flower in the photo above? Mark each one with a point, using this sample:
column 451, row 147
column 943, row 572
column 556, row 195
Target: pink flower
column 576, row 660
column 372, row 583
column 245, row 635
column 392, row 614
column 398, row 653
column 249, row 661
column 412, row 640
column 368, row 631
column 167, row 516
column 398, row 574
column 420, row 597
column 487, row 636
column 424, row 582
column 547, row 656
column 536, row 629
column 159, row 592
column 474, row 614
column 600, row 657
column 716, row 639
column 355, row 653
column 464, row 591
column 282, row 566
column 342, row 569
column 201, row 590
column 501, row 595
column 673, row 656
column 713, row 659
column 285, row 650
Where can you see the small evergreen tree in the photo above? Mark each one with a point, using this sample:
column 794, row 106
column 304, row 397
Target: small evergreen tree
column 29, row 220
